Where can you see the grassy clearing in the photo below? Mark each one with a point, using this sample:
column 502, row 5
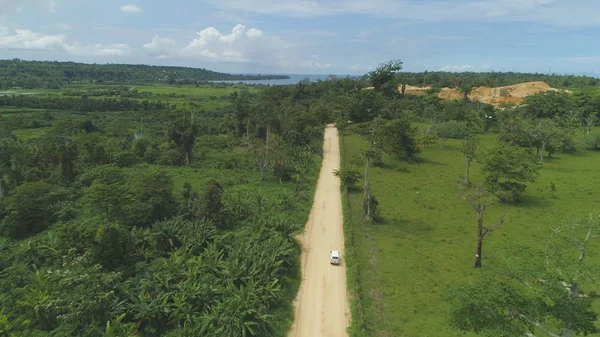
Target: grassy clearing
column 204, row 91
column 24, row 92
column 26, row 134
column 206, row 96
column 426, row 238
column 190, row 91
column 25, row 112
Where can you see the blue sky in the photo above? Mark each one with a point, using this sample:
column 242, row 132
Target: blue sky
column 309, row 37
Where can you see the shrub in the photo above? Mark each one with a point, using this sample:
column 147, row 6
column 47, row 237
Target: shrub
column 433, row 91
column 454, row 130
column 593, row 143
column 566, row 144
column 507, row 169
column 374, row 205
column 31, row 209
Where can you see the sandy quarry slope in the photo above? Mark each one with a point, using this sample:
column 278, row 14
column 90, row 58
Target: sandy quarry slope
column 322, row 308
column 511, row 93
column 514, row 94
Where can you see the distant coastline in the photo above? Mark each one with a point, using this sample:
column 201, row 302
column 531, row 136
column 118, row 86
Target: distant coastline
column 291, row 79
column 256, row 77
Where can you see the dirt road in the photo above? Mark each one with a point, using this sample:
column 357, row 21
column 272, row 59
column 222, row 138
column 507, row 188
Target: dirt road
column 322, row 308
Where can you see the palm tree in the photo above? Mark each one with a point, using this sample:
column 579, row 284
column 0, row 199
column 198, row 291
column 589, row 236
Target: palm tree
column 348, row 177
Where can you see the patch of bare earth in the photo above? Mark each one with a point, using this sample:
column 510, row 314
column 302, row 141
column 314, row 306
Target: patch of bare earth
column 511, row 94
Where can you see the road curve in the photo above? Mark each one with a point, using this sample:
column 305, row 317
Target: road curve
column 321, row 306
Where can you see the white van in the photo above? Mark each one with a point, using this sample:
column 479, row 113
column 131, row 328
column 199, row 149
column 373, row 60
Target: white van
column 335, row 257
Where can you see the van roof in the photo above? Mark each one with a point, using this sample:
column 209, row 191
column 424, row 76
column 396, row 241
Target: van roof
column 335, row 253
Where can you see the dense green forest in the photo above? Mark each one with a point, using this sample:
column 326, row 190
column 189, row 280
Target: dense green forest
column 52, row 75
column 160, row 211
column 121, row 218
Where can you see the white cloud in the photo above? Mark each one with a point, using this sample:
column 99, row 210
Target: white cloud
column 561, row 12
column 98, row 50
column 456, row 68
column 355, row 68
column 242, row 45
column 19, row 39
column 131, row 9
column 160, row 44
column 25, row 39
column 314, row 64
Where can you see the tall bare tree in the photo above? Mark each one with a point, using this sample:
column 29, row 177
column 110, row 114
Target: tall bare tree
column 543, row 132
column 469, row 150
column 264, row 151
column 480, row 199
column 371, row 132
column 369, row 155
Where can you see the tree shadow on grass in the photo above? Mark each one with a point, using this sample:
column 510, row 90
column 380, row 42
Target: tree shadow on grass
column 421, row 160
column 405, row 225
column 533, row 202
column 579, row 154
column 355, row 189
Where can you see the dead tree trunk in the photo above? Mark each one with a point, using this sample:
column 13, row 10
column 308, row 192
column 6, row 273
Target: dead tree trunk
column 574, row 292
column 468, row 163
column 265, row 161
column 481, row 232
column 248, row 128
column 480, row 199
column 542, row 151
column 367, row 195
column 297, row 187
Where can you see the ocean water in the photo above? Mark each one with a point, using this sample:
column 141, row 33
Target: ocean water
column 294, row 79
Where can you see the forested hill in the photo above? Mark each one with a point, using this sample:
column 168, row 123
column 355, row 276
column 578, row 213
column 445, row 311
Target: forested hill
column 45, row 74
column 441, row 79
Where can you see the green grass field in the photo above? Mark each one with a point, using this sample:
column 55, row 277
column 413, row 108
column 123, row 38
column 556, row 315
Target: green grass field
column 192, row 91
column 24, row 91
column 206, row 96
column 25, row 134
column 426, row 238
